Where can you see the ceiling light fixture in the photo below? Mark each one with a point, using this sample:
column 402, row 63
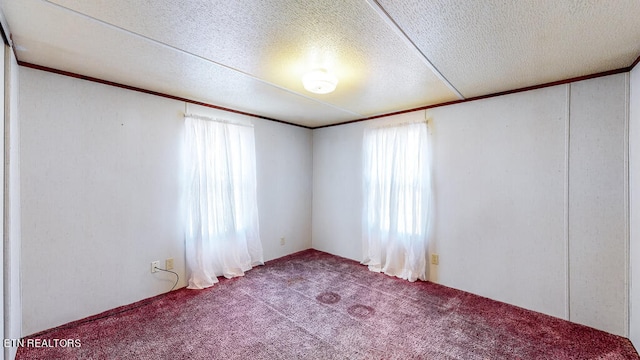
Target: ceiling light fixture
column 319, row 81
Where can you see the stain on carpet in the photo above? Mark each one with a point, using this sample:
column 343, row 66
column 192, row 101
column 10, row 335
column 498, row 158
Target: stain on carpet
column 360, row 311
column 328, row 297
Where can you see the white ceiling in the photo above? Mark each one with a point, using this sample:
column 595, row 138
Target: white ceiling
column 389, row 55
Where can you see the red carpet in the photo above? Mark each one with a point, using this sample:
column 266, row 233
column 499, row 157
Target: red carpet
column 312, row 305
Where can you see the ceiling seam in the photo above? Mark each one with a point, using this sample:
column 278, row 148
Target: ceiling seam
column 203, row 58
column 381, row 12
column 395, row 27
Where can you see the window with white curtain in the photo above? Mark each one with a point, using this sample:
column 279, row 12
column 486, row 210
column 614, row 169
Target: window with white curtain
column 222, row 234
column 397, row 189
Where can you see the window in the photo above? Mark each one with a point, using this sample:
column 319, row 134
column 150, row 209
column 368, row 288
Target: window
column 222, row 235
column 397, row 198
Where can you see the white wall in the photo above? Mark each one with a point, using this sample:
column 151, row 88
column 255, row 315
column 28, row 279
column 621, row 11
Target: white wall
column 101, row 199
column 502, row 170
column 3, row 251
column 284, row 170
column 598, row 210
column 517, row 218
column 12, row 220
column 634, row 204
column 500, row 174
column 337, row 190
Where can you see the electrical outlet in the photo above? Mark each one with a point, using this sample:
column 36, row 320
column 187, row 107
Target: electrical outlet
column 154, row 265
column 282, row 240
column 168, row 264
column 435, row 259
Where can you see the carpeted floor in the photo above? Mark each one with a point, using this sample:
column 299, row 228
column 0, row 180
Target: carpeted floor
column 312, row 305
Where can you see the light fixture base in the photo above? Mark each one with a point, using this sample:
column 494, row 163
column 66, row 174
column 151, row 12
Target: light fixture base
column 319, row 81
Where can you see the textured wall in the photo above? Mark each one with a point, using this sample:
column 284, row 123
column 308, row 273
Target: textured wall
column 4, row 253
column 12, row 231
column 101, row 195
column 337, row 190
column 598, row 213
column 530, row 198
column 500, row 171
column 634, row 203
column 523, row 215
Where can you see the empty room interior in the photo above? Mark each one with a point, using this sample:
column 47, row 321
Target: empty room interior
column 311, row 169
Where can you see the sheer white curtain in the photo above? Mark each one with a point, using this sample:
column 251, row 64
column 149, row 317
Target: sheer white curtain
column 397, row 192
column 222, row 235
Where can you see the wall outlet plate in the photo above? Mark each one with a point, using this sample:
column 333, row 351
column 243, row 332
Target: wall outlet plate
column 154, row 265
column 435, row 259
column 168, row 264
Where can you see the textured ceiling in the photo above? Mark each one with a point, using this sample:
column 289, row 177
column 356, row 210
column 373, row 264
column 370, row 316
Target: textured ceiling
column 389, row 55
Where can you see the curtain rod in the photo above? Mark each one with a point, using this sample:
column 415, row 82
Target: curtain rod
column 206, row 118
column 405, row 123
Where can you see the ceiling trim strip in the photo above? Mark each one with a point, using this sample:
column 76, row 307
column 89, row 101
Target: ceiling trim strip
column 375, row 5
column 150, row 92
column 528, row 88
column 633, row 64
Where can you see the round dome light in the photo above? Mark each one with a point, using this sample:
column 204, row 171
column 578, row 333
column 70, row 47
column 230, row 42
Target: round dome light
column 319, row 81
